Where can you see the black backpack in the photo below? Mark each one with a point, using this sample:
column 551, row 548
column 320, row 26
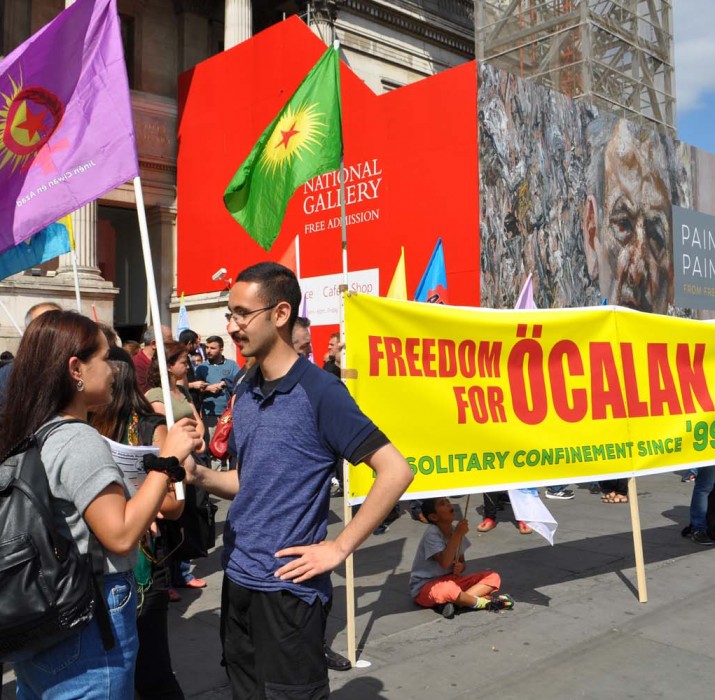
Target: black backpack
column 48, row 590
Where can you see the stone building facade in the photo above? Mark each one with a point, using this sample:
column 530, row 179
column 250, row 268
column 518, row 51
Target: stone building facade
column 387, row 44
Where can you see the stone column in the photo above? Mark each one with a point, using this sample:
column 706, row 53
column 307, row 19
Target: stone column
column 322, row 21
column 161, row 221
column 84, row 223
column 16, row 24
column 193, row 25
column 237, row 23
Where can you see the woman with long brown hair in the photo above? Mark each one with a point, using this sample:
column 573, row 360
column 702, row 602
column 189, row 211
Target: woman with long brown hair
column 61, row 371
column 130, row 420
column 177, row 362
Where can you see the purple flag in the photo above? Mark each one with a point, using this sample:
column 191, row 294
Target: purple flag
column 66, row 131
column 526, row 296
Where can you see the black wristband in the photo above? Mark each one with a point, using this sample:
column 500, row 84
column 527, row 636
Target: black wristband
column 168, row 465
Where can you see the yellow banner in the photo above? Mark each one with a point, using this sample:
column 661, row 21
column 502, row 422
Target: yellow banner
column 484, row 400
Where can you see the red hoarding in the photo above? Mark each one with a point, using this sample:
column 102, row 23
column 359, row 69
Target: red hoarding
column 410, row 168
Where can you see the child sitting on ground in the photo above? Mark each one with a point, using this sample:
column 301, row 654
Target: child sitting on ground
column 437, row 570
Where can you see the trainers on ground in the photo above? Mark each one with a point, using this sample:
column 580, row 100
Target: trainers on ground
column 486, row 525
column 702, row 537
column 501, row 602
column 448, row 611
column 562, row 495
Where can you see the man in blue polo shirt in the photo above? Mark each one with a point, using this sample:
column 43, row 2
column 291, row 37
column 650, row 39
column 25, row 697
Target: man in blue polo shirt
column 295, row 421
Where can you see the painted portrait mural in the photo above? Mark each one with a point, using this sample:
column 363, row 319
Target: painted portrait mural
column 582, row 200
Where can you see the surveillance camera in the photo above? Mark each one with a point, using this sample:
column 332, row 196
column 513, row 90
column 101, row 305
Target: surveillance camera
column 219, row 274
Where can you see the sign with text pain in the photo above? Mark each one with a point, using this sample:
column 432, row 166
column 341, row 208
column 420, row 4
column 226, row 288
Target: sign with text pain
column 490, row 400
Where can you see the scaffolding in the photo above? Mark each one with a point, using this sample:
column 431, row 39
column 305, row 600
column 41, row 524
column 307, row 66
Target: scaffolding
column 617, row 54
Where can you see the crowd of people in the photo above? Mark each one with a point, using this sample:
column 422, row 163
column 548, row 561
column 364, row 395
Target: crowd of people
column 294, row 424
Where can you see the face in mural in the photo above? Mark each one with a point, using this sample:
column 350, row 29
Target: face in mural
column 628, row 240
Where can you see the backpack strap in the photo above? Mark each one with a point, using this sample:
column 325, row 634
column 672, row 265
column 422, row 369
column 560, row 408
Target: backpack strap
column 147, row 427
column 185, row 392
column 94, row 548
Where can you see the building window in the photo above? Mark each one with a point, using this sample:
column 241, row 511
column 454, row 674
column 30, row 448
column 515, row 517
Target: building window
column 128, row 28
column 389, row 85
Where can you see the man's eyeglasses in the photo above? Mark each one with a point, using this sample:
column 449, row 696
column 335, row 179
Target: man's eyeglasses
column 239, row 317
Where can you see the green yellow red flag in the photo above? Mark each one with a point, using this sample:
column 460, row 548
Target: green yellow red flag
column 303, row 141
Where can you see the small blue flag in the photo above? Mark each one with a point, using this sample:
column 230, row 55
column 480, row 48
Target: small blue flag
column 433, row 285
column 182, row 322
column 45, row 245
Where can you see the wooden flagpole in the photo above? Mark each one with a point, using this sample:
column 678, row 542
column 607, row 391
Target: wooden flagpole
column 464, row 515
column 637, row 540
column 155, row 316
column 347, row 509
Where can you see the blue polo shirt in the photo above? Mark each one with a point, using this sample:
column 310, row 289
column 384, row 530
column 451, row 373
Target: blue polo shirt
column 215, row 404
column 287, row 443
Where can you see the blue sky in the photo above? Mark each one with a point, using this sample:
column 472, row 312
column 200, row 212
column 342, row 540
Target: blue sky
column 693, row 23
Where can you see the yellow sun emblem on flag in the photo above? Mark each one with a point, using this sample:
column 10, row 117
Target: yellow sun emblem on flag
column 28, row 117
column 297, row 132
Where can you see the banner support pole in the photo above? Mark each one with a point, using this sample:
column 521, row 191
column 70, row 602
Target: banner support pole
column 637, row 540
column 347, row 509
column 155, row 316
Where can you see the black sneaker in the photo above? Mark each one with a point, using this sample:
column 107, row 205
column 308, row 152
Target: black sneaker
column 562, row 495
column 448, row 611
column 501, row 602
column 702, row 537
column 687, row 531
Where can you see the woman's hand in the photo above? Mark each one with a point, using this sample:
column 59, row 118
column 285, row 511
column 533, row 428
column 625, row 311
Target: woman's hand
column 182, row 439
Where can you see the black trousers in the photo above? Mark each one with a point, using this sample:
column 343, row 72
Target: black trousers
column 710, row 514
column 619, row 486
column 273, row 645
column 154, row 677
column 492, row 502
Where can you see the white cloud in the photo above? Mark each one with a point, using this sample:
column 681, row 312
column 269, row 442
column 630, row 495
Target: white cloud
column 693, row 22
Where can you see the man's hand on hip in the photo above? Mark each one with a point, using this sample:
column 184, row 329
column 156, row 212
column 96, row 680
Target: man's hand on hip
column 311, row 560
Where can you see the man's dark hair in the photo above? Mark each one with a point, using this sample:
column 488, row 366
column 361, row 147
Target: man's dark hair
column 188, row 336
column 302, row 322
column 429, row 506
column 215, row 339
column 278, row 283
column 110, row 334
